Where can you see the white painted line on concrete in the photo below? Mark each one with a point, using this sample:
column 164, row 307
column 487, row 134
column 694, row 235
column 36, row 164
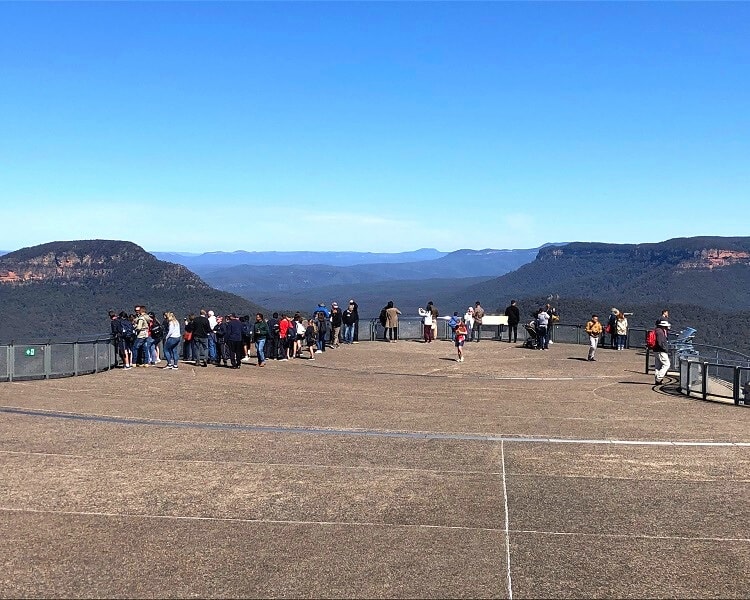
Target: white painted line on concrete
column 246, row 463
column 341, row 431
column 76, row 513
column 507, row 524
column 642, row 536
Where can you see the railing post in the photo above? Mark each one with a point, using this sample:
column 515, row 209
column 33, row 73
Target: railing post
column 75, row 358
column 647, row 360
column 736, row 386
column 11, row 361
column 96, row 356
column 47, row 360
column 704, row 380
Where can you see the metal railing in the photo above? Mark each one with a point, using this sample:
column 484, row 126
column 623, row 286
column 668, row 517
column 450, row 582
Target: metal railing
column 51, row 360
column 709, row 372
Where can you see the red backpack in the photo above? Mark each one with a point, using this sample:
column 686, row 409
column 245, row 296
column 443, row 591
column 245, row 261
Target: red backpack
column 651, row 339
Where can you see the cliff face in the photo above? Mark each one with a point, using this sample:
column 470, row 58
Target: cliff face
column 80, row 263
column 42, row 286
column 682, row 254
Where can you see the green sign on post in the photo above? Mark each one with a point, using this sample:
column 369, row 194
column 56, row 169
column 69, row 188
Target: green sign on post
column 30, row 352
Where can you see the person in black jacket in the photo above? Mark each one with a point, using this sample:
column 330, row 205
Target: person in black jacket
column 661, row 350
column 348, row 320
column 201, row 329
column 354, row 308
column 233, row 339
column 514, row 317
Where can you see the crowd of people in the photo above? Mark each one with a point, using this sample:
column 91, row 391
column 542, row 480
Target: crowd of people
column 142, row 339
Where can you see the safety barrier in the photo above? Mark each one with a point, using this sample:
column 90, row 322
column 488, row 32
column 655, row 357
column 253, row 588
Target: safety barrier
column 50, row 360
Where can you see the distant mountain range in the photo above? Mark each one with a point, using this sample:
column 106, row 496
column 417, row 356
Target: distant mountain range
column 200, row 263
column 63, row 290
column 254, row 281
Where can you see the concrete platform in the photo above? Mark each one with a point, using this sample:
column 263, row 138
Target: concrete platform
column 377, row 470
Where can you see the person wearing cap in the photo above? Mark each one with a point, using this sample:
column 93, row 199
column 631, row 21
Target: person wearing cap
column 321, row 308
column 612, row 327
column 661, row 350
column 336, row 323
column 348, row 320
column 514, row 317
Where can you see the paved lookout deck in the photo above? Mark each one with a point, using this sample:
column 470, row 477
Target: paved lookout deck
column 377, row 470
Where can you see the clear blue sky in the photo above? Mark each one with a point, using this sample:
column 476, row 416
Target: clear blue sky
column 373, row 126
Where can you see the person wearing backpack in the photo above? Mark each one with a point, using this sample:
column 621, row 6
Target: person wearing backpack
column 287, row 333
column 661, row 350
column 311, row 337
column 321, row 326
column 156, row 332
column 247, row 337
column 125, row 335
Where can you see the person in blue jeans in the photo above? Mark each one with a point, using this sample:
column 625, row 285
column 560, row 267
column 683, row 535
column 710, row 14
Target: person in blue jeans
column 172, row 341
column 260, row 333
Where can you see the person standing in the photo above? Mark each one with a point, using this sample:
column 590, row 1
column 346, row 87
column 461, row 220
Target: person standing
column 426, row 315
column 336, row 322
column 321, row 326
column 661, row 351
column 347, row 318
column 201, row 329
column 274, row 335
column 594, row 330
column 285, row 327
column 391, row 321
column 143, row 342
column 212, row 337
column 435, row 314
column 469, row 319
column 514, row 317
column 542, row 329
column 478, row 316
column 621, row 329
column 354, row 308
column 232, row 329
column 461, row 332
column 611, row 328
column 260, row 334
column 172, row 341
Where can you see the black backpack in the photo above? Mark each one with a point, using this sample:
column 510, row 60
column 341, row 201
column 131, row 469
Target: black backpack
column 126, row 330
column 383, row 317
column 156, row 330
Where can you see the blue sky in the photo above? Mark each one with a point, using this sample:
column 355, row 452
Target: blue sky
column 373, row 126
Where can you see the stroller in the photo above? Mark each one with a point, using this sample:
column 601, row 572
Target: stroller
column 532, row 339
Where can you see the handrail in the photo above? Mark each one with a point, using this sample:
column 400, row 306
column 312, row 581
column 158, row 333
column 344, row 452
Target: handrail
column 45, row 359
